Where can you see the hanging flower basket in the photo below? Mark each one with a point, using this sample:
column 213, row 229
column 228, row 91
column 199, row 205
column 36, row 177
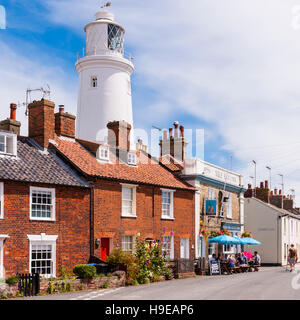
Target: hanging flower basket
column 204, row 232
column 226, row 232
column 246, row 234
column 214, row 234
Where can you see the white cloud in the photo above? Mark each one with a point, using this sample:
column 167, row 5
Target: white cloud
column 234, row 64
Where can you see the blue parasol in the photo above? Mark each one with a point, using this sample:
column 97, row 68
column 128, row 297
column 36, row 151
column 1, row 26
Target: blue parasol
column 250, row 241
column 224, row 239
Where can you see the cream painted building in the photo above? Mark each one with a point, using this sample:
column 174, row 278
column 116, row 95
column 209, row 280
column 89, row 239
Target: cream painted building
column 215, row 184
column 275, row 228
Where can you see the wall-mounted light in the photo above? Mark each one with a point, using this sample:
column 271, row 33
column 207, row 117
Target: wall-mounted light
column 97, row 243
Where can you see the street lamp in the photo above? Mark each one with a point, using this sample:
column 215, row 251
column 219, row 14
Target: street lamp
column 270, row 176
column 281, row 175
column 254, row 178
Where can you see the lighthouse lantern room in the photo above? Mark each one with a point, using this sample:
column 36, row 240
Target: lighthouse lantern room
column 104, row 93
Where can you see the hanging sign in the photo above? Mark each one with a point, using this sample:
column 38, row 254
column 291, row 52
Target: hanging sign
column 211, row 207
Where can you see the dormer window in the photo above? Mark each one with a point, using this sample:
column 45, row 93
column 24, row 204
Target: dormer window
column 8, row 143
column 103, row 153
column 131, row 158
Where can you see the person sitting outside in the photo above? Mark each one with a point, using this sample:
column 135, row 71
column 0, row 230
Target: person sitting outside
column 245, row 260
column 231, row 261
column 256, row 260
column 213, row 257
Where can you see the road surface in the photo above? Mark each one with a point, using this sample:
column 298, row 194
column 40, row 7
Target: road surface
column 271, row 283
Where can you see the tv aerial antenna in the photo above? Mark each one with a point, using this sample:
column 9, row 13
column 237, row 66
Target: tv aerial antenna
column 45, row 94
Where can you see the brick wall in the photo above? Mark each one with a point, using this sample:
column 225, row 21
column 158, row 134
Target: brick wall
column 109, row 223
column 71, row 226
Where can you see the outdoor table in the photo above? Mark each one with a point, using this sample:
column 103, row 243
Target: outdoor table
column 224, row 267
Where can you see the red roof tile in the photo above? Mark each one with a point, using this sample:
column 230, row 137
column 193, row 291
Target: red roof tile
column 147, row 171
column 171, row 163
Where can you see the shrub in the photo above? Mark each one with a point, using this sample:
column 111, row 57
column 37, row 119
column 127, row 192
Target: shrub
column 69, row 287
column 105, row 285
column 120, row 260
column 109, row 275
column 12, row 280
column 85, row 271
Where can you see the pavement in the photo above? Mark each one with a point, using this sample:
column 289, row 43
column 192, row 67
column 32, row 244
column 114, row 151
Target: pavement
column 270, row 283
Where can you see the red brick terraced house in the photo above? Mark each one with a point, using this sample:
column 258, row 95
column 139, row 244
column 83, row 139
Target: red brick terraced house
column 44, row 207
column 69, row 199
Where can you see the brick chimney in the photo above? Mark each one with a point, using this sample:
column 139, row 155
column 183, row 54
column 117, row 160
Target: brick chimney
column 119, row 134
column 266, row 184
column 174, row 145
column 11, row 124
column 41, row 123
column 64, row 123
column 262, row 185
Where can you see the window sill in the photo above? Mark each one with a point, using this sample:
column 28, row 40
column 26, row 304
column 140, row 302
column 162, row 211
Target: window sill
column 127, row 216
column 167, row 218
column 42, row 219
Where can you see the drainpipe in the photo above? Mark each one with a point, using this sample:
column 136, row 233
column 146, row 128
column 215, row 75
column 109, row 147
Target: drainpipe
column 92, row 219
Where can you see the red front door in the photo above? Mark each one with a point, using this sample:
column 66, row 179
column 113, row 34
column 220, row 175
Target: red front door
column 104, row 248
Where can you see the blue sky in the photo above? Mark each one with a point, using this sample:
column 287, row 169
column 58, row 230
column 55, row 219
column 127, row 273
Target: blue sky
column 231, row 68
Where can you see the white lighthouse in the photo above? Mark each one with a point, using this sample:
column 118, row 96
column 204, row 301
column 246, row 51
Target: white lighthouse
column 104, row 93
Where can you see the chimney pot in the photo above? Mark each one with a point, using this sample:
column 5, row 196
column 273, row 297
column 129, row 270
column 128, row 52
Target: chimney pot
column 61, row 108
column 275, row 191
column 176, row 129
column 181, row 131
column 262, row 185
column 170, row 133
column 13, row 111
column 280, row 191
column 249, row 186
column 271, row 192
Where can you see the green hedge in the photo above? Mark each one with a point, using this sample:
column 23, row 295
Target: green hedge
column 85, row 271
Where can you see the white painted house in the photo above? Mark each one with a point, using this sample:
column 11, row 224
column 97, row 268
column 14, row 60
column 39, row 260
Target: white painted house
column 275, row 228
column 104, row 92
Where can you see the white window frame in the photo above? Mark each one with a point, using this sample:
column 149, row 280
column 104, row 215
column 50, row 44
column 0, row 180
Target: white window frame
column 171, row 241
column 211, row 194
column 100, row 151
column 52, row 190
column 171, row 215
column 126, row 243
column 131, row 158
column 1, row 200
column 133, row 212
column 229, row 206
column 2, row 238
column 13, row 138
column 184, row 248
column 43, row 240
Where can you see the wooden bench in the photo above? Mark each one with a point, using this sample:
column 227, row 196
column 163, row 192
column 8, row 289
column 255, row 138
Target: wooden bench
column 254, row 267
column 245, row 268
column 237, row 269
